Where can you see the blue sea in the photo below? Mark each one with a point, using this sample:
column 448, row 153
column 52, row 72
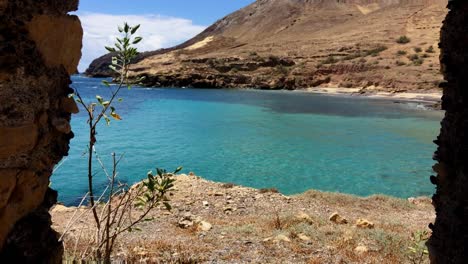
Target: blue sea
column 292, row 141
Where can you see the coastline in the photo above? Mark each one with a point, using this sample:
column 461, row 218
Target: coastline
column 430, row 97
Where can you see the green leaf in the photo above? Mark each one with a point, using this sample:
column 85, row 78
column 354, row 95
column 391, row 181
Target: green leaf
column 178, row 169
column 126, row 27
column 110, row 49
column 168, row 206
column 120, row 29
column 106, row 103
column 107, row 120
column 99, row 98
column 120, row 99
column 137, row 40
column 106, row 83
column 134, row 29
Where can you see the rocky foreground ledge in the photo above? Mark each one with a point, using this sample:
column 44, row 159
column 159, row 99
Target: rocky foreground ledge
column 224, row 223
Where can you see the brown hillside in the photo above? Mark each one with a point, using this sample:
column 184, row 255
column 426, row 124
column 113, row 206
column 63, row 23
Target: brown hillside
column 291, row 44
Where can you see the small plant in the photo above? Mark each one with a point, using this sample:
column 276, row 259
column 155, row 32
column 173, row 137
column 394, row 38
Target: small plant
column 253, row 54
column 430, row 49
column 400, row 63
column 281, row 69
column 375, row 51
column 417, row 61
column 330, row 60
column 403, row 40
column 277, row 223
column 417, row 252
column 126, row 206
column 417, row 49
column 401, row 53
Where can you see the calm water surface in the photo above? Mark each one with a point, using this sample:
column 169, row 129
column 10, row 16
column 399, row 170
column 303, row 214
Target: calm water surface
column 292, row 141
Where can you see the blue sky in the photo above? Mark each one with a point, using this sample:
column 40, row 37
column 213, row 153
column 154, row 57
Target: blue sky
column 202, row 12
column 164, row 23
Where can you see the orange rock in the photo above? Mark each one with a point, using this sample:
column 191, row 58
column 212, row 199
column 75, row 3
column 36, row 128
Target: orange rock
column 15, row 140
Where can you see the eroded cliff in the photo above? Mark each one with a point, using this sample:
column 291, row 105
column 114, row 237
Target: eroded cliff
column 36, row 59
column 324, row 42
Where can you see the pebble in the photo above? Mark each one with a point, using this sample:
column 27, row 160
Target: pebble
column 204, row 226
column 363, row 223
column 361, row 250
column 338, row 219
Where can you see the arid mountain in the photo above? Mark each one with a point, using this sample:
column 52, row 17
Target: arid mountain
column 294, row 44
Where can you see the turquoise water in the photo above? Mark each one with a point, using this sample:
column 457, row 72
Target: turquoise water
column 292, row 141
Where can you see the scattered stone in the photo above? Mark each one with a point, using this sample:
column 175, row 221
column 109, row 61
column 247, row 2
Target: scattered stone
column 267, row 239
column 186, row 221
column 228, row 210
column 363, row 223
column 61, row 208
column 205, row 203
column 304, row 237
column 281, row 238
column 219, row 194
column 191, row 174
column 420, row 200
column 204, row 226
column 338, row 219
column 303, row 217
column 361, row 250
column 228, row 197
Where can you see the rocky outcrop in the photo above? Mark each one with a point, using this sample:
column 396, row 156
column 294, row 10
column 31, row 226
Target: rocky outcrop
column 449, row 241
column 36, row 59
column 325, row 42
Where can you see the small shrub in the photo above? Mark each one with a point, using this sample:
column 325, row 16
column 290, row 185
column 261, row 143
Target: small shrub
column 416, row 59
column 403, row 40
column 376, row 51
column 228, row 185
column 417, row 49
column 401, row 53
column 430, row 49
column 400, row 63
column 268, row 190
column 253, row 54
column 330, row 60
column 418, row 252
column 281, row 69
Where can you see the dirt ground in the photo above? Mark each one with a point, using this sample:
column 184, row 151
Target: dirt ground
column 223, row 223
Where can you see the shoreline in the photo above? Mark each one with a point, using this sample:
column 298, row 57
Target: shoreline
column 430, row 98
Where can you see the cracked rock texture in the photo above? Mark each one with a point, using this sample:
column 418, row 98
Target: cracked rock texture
column 36, row 59
column 449, row 242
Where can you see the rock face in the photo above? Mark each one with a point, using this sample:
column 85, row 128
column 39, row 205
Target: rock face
column 449, row 241
column 294, row 44
column 36, row 59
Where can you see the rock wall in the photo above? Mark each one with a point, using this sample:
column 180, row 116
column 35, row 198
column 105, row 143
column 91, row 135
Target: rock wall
column 449, row 242
column 36, row 59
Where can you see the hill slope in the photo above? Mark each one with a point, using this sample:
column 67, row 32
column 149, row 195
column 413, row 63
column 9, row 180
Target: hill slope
column 292, row 44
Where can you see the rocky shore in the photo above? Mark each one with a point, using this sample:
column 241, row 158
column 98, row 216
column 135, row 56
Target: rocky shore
column 224, row 223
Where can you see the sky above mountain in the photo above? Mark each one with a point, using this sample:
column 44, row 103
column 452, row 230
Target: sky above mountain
column 164, row 23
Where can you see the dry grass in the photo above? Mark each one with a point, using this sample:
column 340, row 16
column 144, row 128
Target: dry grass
column 248, row 233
